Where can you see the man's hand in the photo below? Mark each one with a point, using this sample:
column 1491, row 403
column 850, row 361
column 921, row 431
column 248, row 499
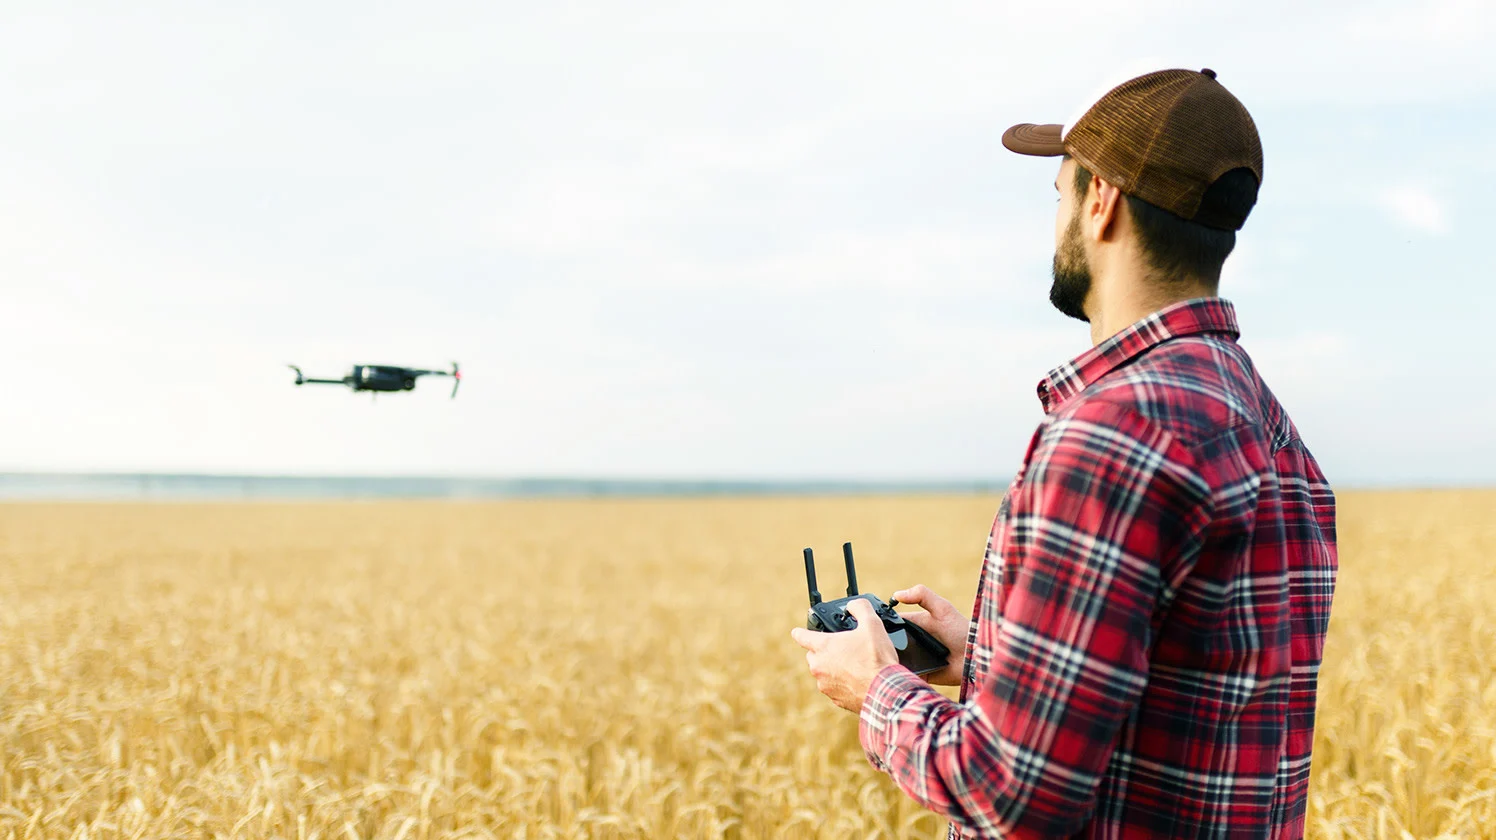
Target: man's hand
column 943, row 621
column 844, row 664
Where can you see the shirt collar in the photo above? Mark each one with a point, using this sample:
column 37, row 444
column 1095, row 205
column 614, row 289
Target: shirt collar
column 1200, row 315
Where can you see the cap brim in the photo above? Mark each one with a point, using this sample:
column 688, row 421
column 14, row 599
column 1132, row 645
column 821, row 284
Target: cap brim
column 1036, row 140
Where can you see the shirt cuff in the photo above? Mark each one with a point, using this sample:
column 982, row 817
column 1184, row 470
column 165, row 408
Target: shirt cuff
column 888, row 693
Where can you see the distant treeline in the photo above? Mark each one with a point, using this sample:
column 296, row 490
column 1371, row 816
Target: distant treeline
column 183, row 486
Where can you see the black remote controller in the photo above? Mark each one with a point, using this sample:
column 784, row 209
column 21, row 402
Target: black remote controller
column 918, row 650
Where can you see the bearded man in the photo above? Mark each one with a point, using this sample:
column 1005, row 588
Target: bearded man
column 1152, row 608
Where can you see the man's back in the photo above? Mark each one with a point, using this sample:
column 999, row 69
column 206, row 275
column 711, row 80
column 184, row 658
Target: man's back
column 1151, row 612
column 1226, row 722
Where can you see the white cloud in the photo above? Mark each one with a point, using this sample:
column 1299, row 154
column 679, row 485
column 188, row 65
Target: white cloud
column 914, row 261
column 1240, row 273
column 1309, row 357
column 1416, row 207
column 1429, row 25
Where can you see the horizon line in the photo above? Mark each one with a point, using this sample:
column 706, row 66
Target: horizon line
column 74, row 485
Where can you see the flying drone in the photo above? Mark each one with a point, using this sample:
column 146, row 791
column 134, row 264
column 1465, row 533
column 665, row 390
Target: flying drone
column 382, row 378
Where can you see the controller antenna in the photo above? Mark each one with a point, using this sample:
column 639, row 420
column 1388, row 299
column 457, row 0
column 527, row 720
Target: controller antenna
column 851, row 569
column 810, row 577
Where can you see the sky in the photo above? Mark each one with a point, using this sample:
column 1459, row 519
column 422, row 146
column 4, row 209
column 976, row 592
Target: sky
column 769, row 240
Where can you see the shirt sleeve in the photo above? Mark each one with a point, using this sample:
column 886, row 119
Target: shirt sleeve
column 1108, row 501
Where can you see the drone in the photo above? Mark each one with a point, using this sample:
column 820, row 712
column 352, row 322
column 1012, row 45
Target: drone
column 382, row 378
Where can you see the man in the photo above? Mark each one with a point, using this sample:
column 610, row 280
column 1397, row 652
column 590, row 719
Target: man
column 1156, row 590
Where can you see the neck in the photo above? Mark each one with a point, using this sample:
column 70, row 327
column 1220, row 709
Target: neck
column 1123, row 299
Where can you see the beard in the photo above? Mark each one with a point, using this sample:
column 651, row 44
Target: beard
column 1072, row 273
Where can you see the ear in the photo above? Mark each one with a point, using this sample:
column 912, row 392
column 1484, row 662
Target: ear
column 1102, row 209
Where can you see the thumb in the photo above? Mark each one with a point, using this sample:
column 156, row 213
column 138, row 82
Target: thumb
column 920, row 595
column 863, row 612
column 915, row 594
column 808, row 639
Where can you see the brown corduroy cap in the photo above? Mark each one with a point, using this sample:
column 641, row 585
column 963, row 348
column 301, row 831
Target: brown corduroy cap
column 1164, row 137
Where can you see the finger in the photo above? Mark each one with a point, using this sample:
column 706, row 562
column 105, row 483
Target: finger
column 808, row 639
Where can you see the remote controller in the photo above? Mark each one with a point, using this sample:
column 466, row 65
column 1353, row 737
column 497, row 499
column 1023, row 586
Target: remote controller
column 918, row 650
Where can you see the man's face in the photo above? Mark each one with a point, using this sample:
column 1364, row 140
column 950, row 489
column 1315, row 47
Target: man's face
column 1072, row 271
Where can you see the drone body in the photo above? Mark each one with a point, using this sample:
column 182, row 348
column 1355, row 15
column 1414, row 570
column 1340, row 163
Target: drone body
column 382, row 378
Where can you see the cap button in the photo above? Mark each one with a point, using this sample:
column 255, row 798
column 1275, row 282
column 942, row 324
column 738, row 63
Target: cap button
column 1209, row 72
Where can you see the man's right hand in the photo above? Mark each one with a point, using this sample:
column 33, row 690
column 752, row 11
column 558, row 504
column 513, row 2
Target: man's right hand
column 943, row 621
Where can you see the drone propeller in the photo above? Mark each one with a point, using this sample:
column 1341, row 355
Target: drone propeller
column 456, row 379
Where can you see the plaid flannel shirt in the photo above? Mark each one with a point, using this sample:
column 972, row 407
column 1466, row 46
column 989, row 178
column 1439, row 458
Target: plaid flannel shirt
column 1151, row 613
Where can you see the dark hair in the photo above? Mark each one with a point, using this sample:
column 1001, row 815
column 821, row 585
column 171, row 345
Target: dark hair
column 1177, row 248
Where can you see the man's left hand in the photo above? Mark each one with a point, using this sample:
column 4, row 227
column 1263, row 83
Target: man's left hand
column 844, row 664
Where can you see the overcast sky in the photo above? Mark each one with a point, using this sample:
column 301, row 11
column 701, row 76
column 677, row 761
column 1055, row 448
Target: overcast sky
column 766, row 239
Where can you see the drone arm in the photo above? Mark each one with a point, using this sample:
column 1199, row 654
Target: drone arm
column 455, row 373
column 301, row 379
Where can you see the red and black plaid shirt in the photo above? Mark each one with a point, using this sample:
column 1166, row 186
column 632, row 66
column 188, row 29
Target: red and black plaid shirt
column 1151, row 613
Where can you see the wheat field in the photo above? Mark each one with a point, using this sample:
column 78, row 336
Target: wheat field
column 604, row 669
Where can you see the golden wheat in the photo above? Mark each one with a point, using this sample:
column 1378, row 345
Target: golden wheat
column 603, row 669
